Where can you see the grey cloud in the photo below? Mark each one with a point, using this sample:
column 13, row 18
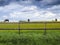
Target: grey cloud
column 39, row 3
column 47, row 3
column 51, row 2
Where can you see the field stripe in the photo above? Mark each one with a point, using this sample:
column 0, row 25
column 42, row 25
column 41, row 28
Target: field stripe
column 30, row 29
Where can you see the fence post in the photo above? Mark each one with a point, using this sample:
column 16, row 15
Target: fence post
column 19, row 27
column 45, row 28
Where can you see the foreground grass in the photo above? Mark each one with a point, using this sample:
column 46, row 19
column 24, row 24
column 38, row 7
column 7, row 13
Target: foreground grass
column 29, row 37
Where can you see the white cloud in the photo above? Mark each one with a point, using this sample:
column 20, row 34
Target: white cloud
column 49, row 14
column 5, row 17
column 54, row 7
column 17, row 12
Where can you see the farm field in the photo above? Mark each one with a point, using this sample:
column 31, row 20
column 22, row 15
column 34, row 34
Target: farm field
column 31, row 25
column 30, row 37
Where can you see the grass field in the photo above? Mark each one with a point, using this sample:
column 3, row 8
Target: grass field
column 29, row 37
column 31, row 25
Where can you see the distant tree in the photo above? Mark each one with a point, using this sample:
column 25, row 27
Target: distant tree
column 28, row 20
column 55, row 19
column 6, row 20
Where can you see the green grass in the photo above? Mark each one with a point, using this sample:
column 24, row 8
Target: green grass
column 30, row 25
column 6, row 25
column 29, row 37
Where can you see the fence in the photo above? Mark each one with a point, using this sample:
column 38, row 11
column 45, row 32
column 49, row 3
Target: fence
column 30, row 26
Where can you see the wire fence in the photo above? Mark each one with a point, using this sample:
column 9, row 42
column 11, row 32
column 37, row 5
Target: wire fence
column 30, row 26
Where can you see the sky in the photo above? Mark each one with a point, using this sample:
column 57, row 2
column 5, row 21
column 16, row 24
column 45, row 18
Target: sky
column 35, row 10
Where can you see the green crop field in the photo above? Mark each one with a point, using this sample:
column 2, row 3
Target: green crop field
column 29, row 37
column 31, row 25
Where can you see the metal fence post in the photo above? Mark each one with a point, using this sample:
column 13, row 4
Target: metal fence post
column 19, row 27
column 45, row 28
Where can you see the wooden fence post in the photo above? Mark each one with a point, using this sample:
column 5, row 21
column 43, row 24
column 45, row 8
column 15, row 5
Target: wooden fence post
column 19, row 27
column 45, row 28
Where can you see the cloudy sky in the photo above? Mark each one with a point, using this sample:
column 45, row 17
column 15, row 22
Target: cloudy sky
column 35, row 10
